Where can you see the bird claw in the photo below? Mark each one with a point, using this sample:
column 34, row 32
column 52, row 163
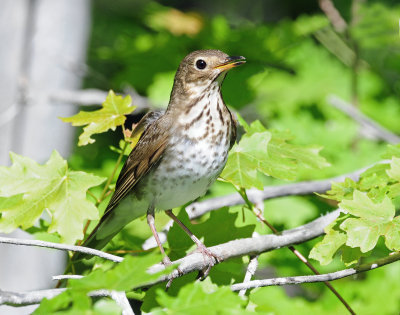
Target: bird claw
column 167, row 262
column 213, row 259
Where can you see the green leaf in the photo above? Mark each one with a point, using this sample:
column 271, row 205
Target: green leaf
column 6, row 202
column 268, row 152
column 201, row 298
column 129, row 274
column 340, row 191
column 111, row 115
column 106, row 307
column 362, row 206
column 364, row 231
column 68, row 302
column 245, row 159
column 286, row 159
column 33, row 188
column 351, row 256
column 361, row 233
column 392, row 151
column 374, row 178
column 324, row 250
column 394, row 171
column 392, row 234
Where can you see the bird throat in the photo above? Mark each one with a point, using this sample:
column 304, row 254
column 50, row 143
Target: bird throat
column 204, row 113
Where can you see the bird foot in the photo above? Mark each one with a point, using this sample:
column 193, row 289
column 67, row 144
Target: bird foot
column 167, row 262
column 213, row 259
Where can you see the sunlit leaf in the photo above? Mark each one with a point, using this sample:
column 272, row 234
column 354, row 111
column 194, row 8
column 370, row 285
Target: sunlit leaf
column 394, row 171
column 34, row 188
column 361, row 233
column 324, row 250
column 362, row 206
column 269, row 153
column 130, row 273
column 111, row 115
column 200, row 298
column 392, row 234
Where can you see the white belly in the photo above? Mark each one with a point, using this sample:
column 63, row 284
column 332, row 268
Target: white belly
column 186, row 172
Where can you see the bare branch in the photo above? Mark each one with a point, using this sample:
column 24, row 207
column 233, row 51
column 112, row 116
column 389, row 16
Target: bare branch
column 79, row 97
column 333, row 15
column 35, row 297
column 80, row 249
column 235, row 248
column 27, row 298
column 317, row 278
column 241, row 247
column 251, row 269
column 197, row 209
column 64, row 277
column 95, row 97
column 250, row 246
column 370, row 126
column 122, row 301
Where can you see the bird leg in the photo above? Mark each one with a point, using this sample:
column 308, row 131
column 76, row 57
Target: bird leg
column 200, row 246
column 150, row 220
column 166, row 261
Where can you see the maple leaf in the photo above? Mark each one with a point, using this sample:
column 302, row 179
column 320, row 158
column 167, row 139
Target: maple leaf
column 27, row 189
column 111, row 115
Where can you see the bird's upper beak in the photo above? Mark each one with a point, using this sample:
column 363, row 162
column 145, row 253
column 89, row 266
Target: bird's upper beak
column 231, row 62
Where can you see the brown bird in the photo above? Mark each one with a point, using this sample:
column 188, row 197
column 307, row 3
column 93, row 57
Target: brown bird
column 180, row 153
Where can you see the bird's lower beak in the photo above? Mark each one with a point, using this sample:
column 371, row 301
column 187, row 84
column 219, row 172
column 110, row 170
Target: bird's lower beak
column 231, row 62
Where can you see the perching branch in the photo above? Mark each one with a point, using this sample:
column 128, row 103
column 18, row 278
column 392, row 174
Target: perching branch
column 250, row 246
column 370, row 126
column 317, row 278
column 35, row 297
column 236, row 248
column 73, row 248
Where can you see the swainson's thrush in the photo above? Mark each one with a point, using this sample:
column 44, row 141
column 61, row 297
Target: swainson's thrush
column 180, row 153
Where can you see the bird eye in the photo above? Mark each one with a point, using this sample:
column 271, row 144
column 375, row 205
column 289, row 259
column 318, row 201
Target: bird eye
column 201, row 64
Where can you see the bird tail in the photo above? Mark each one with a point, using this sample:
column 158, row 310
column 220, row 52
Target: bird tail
column 96, row 240
column 111, row 223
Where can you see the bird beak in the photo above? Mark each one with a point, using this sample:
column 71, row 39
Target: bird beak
column 232, row 61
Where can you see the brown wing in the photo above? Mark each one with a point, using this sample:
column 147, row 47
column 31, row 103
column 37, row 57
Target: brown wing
column 144, row 155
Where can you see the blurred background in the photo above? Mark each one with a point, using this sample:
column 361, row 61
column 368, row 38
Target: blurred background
column 308, row 63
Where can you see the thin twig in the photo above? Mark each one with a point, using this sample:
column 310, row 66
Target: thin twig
column 370, row 126
column 317, row 278
column 258, row 212
column 73, row 248
column 94, row 97
column 197, row 209
column 251, row 269
column 92, row 195
column 35, row 297
column 333, row 15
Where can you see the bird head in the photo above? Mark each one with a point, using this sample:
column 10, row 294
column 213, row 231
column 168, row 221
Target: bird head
column 201, row 69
